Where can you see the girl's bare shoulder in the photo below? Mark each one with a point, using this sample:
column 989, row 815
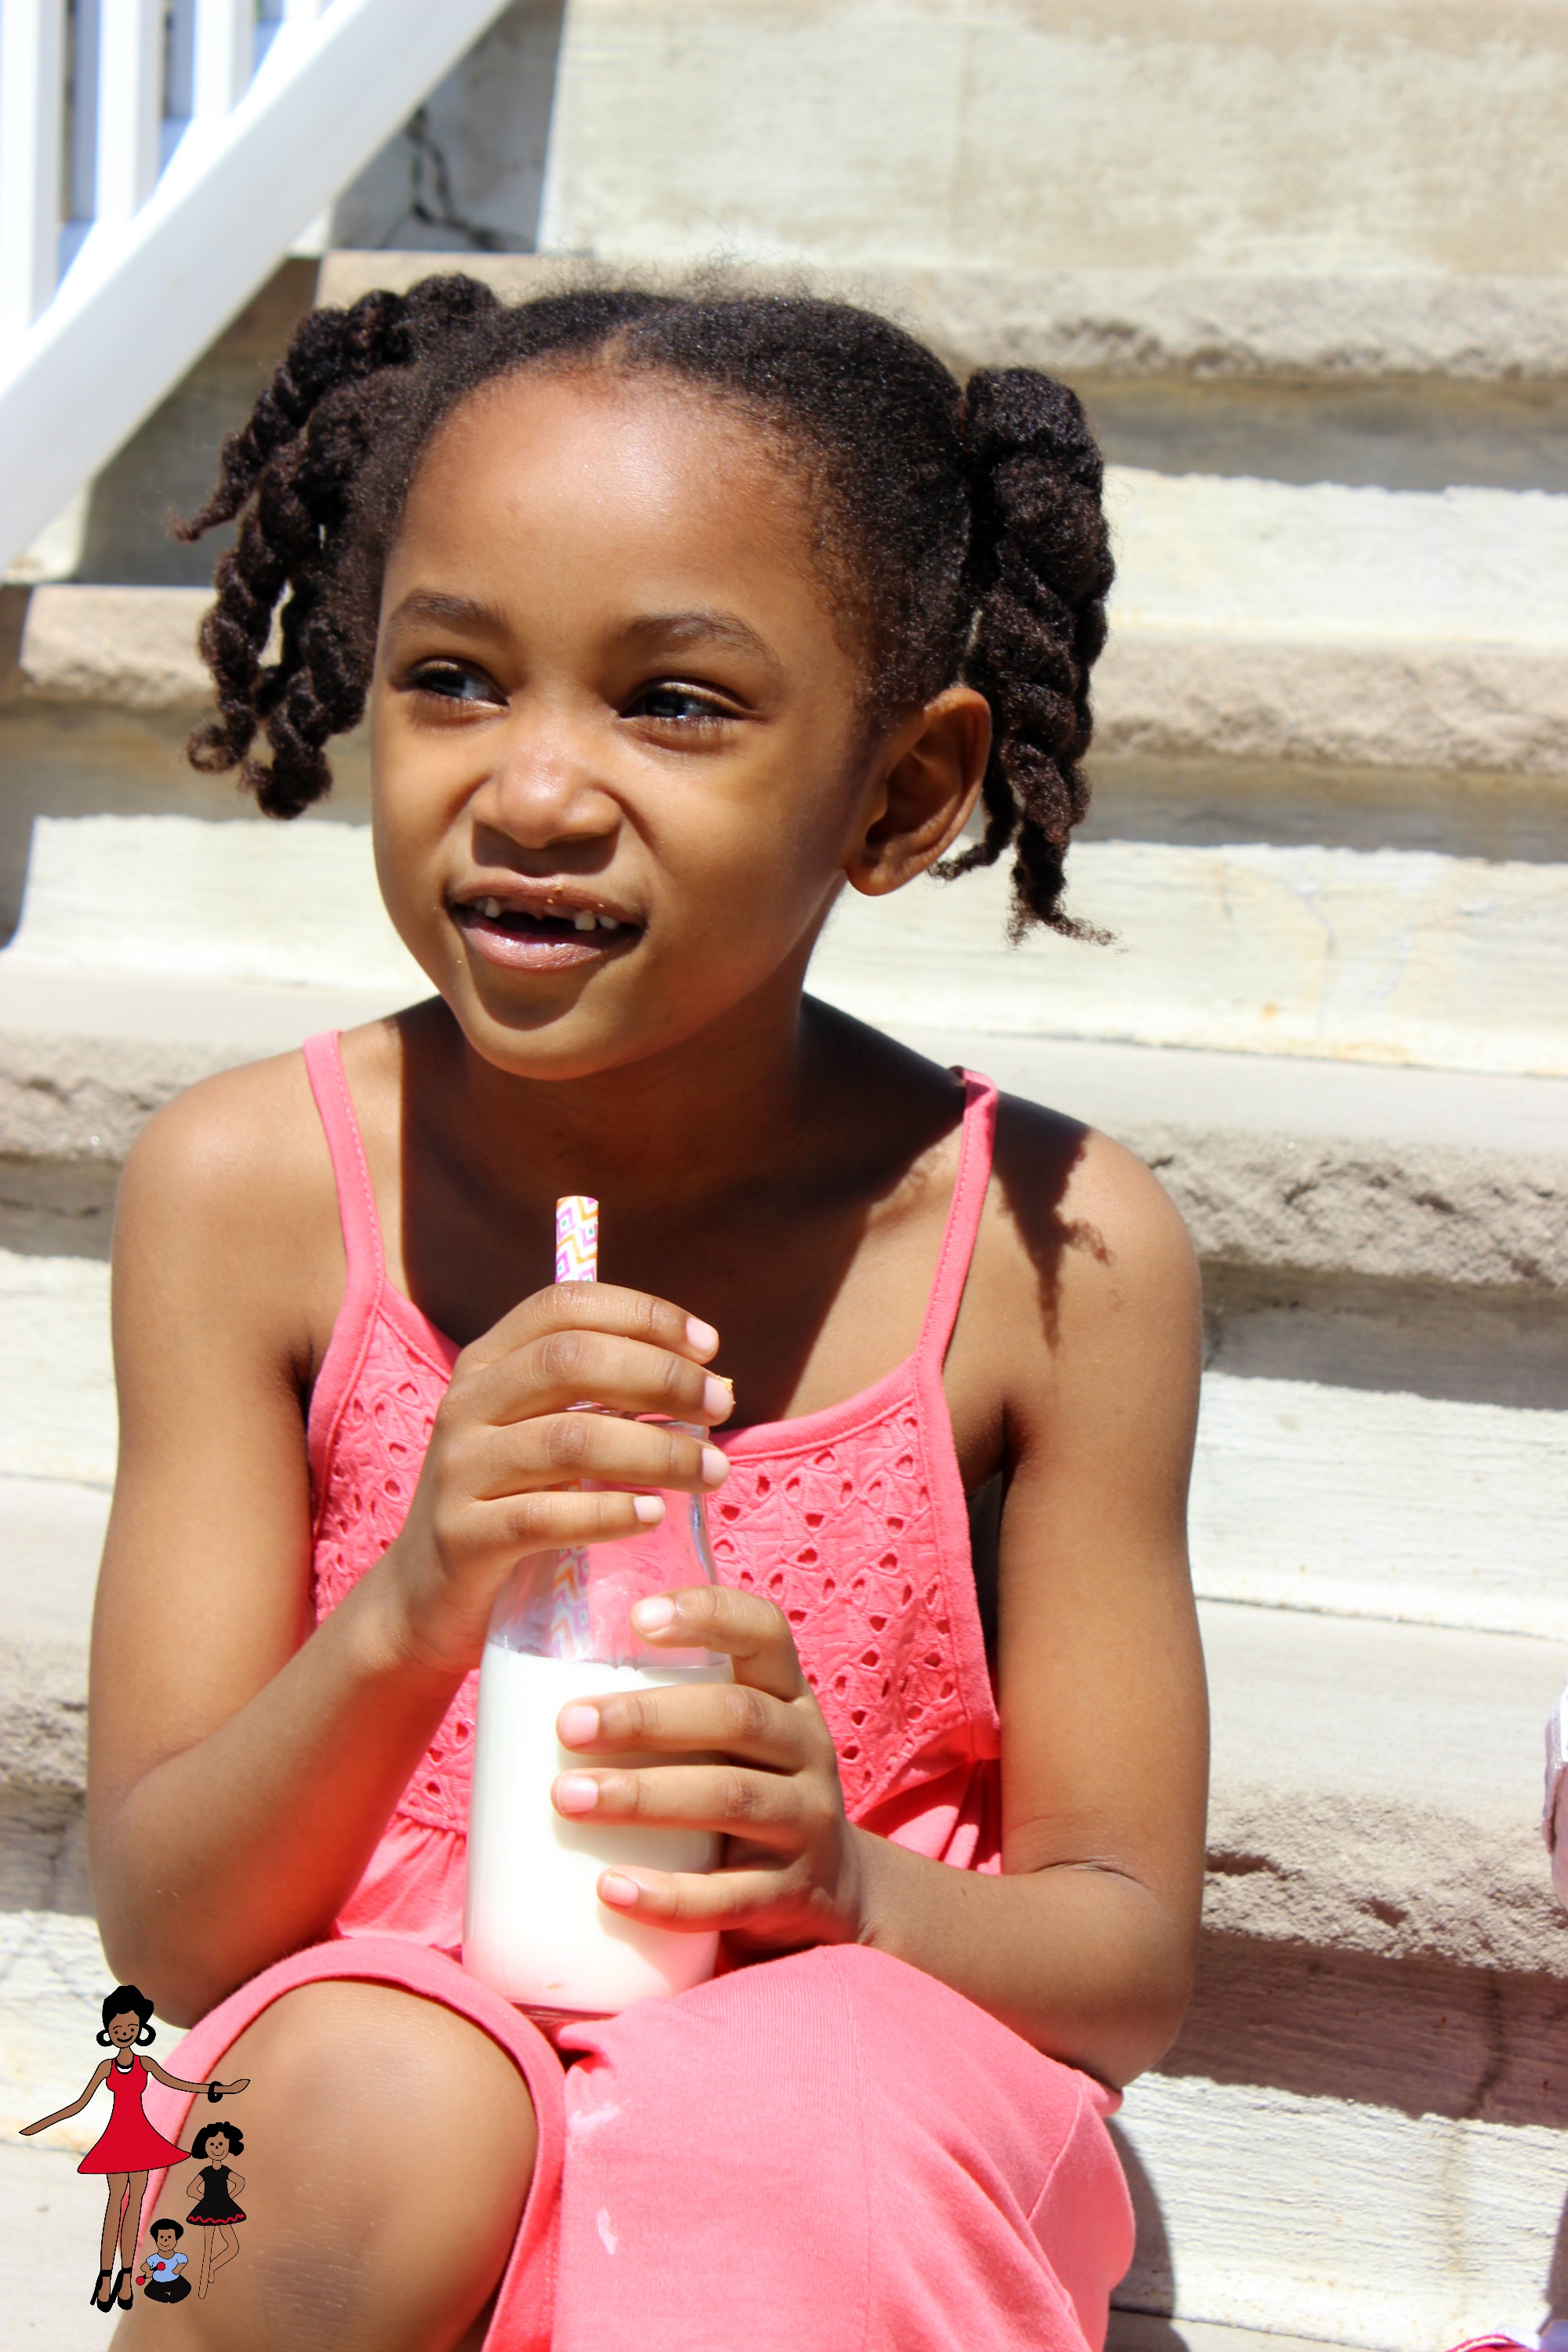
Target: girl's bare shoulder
column 1081, row 1233
column 228, row 1203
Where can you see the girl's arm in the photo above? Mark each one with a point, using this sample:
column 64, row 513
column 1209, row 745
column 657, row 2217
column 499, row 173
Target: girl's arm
column 1086, row 1315
column 242, row 1764
column 64, row 2114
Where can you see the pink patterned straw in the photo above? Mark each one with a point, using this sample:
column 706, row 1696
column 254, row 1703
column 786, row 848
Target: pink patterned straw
column 577, row 1260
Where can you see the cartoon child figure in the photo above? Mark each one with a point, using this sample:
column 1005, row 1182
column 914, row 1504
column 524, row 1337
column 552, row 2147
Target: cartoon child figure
column 159, row 2276
column 219, row 2190
column 131, row 2149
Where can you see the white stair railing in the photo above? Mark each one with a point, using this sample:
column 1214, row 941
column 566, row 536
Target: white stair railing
column 158, row 158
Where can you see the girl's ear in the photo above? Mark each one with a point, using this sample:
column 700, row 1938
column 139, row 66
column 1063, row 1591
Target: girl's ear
column 927, row 781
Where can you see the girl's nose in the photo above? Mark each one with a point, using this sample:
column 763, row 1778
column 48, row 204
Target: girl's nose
column 543, row 788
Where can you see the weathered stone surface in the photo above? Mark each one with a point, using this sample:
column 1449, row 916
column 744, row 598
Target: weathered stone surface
column 1251, row 619
column 1262, row 2208
column 1458, row 706
column 1185, row 322
column 1431, row 1510
column 1386, row 956
column 132, row 647
column 1435, row 1213
column 911, row 133
column 1377, row 1789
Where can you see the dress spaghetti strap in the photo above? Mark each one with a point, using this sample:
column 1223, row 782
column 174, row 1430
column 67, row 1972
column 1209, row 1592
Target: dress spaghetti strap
column 962, row 1217
column 351, row 1171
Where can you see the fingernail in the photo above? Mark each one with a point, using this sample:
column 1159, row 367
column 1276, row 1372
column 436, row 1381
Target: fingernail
column 650, row 1508
column 717, row 1397
column 653, row 1615
column 575, row 1726
column 715, row 1468
column 575, row 1793
column 614, row 1888
column 700, row 1335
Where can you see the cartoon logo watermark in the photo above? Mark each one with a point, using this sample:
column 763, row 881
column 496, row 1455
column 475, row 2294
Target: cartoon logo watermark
column 131, row 2149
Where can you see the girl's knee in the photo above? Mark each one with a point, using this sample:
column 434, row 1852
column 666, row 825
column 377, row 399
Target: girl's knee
column 389, row 2149
column 370, row 2051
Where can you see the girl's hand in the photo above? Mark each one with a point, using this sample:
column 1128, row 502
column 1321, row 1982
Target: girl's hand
column 791, row 1874
column 501, row 1476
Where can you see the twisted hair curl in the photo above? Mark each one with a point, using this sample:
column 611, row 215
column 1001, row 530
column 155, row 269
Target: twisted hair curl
column 960, row 531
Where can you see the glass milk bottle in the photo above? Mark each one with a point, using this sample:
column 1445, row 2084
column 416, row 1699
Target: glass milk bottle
column 534, row 1928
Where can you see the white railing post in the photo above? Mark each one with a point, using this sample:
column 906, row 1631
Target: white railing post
column 32, row 103
column 222, row 126
column 83, row 69
column 224, row 56
column 130, row 106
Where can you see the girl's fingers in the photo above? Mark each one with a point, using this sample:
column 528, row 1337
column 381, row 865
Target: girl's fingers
column 676, row 1718
column 559, row 1449
column 579, row 1366
column 601, row 1307
column 749, row 1631
column 766, row 1808
column 725, row 1899
column 514, row 1527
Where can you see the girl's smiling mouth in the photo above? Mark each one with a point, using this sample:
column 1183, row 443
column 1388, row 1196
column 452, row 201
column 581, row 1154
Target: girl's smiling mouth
column 547, row 930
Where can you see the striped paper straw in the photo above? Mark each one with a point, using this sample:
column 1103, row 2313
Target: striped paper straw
column 576, row 1238
column 577, row 1260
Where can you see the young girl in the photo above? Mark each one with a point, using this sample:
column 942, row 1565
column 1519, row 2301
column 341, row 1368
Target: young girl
column 675, row 618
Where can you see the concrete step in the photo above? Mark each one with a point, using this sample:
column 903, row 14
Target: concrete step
column 1307, row 1494
column 1386, row 956
column 50, row 2217
column 1358, row 2135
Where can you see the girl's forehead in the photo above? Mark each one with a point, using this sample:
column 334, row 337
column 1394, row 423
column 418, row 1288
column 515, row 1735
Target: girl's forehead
column 637, row 462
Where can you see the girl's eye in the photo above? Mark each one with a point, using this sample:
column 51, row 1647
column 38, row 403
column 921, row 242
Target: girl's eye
column 452, row 682
column 686, row 704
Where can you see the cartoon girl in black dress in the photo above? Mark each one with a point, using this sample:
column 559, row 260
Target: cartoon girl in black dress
column 131, row 2148
column 218, row 2189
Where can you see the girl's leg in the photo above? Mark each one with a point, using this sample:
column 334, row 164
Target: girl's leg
column 389, row 2146
column 830, row 2151
column 203, row 2260
column 225, row 2249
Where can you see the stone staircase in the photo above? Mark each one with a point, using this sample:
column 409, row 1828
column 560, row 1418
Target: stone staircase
column 1330, row 834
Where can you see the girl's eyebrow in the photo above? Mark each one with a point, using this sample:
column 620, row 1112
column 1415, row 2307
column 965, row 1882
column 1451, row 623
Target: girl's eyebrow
column 461, row 612
column 698, row 626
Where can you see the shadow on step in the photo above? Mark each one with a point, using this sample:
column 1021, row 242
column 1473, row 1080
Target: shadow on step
column 1419, row 2036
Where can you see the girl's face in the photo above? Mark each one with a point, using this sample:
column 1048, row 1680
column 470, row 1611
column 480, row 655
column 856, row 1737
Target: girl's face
column 122, row 2029
column 619, row 763
column 218, row 2147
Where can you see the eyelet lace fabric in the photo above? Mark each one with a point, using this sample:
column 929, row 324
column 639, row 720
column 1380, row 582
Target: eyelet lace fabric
column 852, row 1520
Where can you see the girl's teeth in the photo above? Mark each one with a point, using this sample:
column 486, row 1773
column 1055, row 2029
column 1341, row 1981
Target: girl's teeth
column 489, row 909
column 584, row 918
column 609, row 923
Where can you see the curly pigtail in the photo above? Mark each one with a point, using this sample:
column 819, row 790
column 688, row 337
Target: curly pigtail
column 1040, row 569
column 297, row 457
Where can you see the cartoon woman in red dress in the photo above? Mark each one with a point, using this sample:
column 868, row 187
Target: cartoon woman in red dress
column 129, row 2149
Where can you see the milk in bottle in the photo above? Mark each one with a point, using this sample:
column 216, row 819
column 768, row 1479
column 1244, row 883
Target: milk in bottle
column 534, row 1928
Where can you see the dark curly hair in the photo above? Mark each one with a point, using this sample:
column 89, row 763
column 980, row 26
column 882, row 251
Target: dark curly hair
column 959, row 529
column 128, row 2000
column 231, row 2132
